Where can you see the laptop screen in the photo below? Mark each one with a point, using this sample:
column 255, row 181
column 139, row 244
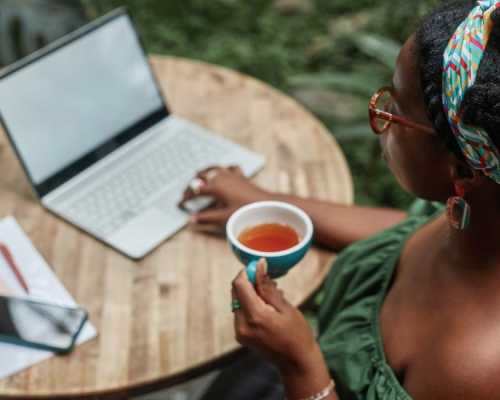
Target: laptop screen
column 69, row 106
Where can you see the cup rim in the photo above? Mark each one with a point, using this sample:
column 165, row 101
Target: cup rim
column 261, row 204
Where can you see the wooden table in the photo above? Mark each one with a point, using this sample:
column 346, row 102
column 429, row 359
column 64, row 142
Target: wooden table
column 167, row 318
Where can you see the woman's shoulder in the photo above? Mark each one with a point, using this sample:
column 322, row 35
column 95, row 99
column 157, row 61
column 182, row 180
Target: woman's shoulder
column 362, row 269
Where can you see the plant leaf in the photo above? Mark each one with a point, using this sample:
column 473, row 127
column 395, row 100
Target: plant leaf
column 383, row 49
column 354, row 83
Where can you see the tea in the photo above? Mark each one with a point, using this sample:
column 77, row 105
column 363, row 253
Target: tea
column 269, row 237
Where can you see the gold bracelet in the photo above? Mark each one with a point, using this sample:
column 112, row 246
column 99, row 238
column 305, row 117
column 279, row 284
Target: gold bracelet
column 324, row 393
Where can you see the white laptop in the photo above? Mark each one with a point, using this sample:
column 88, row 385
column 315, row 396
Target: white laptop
column 87, row 120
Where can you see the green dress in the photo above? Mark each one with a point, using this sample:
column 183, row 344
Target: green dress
column 349, row 316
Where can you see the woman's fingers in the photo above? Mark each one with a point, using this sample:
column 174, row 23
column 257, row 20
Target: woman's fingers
column 201, row 185
column 209, row 173
column 217, row 216
column 243, row 331
column 251, row 304
column 261, row 274
column 206, row 183
column 197, row 188
column 268, row 289
column 241, row 328
column 214, row 169
column 236, row 170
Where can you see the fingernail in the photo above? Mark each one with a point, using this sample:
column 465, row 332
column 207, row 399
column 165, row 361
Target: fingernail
column 263, row 262
column 195, row 185
column 211, row 175
column 193, row 219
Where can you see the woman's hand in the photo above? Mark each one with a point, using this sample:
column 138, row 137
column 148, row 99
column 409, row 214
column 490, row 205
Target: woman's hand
column 230, row 189
column 268, row 323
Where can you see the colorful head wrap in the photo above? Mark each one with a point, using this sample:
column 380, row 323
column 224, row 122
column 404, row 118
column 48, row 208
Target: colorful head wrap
column 461, row 64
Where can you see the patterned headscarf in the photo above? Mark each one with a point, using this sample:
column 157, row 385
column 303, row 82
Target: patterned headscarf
column 461, row 64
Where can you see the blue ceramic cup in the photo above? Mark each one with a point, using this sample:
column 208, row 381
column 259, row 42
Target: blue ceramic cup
column 269, row 212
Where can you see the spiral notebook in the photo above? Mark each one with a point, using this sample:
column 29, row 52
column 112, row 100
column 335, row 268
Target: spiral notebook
column 44, row 286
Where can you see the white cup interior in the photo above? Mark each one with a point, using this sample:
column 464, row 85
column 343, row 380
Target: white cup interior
column 269, row 213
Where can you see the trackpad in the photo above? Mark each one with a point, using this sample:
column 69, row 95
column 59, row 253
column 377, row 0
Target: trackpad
column 145, row 232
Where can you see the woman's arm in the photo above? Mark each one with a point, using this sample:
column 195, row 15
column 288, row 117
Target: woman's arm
column 336, row 225
column 313, row 379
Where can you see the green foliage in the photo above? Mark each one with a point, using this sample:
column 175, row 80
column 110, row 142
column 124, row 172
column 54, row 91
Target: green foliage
column 359, row 82
column 398, row 19
column 379, row 48
column 341, row 50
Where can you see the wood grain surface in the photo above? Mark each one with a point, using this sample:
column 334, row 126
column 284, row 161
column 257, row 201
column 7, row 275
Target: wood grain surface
column 167, row 317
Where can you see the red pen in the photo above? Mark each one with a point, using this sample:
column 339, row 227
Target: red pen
column 12, row 264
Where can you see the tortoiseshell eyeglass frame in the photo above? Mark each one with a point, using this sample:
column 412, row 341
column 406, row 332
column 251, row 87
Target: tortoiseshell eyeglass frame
column 388, row 117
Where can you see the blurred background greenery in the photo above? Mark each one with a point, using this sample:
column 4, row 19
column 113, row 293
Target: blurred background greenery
column 329, row 54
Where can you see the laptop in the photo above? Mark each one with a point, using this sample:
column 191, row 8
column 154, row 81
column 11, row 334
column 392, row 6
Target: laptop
column 88, row 122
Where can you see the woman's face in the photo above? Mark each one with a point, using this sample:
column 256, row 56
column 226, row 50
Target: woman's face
column 419, row 161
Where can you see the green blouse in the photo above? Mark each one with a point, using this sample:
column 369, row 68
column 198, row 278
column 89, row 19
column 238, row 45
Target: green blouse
column 349, row 316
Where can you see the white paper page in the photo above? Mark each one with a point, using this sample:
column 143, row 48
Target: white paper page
column 43, row 285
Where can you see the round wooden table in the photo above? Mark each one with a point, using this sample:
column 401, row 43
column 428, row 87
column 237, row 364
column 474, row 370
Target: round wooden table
column 167, row 318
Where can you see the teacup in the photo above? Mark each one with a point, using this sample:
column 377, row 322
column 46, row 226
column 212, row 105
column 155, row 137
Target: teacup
column 265, row 212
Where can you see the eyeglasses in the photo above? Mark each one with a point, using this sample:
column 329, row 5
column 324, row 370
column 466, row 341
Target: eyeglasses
column 381, row 118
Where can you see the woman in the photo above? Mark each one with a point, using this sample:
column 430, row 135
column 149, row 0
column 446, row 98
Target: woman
column 411, row 307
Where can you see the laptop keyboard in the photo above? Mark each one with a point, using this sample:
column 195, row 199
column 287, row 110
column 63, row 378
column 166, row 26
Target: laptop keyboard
column 165, row 169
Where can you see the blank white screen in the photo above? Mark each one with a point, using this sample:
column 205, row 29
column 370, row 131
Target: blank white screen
column 71, row 101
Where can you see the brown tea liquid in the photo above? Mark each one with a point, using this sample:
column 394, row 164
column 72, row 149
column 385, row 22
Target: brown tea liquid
column 269, row 237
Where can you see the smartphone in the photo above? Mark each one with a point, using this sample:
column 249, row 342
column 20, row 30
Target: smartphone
column 40, row 325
